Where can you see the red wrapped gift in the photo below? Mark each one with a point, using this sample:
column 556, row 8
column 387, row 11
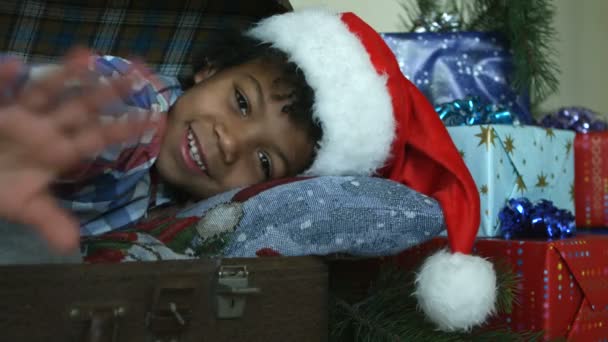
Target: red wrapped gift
column 564, row 284
column 591, row 179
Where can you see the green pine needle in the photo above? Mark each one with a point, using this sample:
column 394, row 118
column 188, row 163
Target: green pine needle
column 413, row 10
column 390, row 313
column 527, row 25
column 507, row 293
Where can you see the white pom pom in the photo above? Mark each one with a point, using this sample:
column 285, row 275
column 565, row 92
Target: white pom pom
column 456, row 291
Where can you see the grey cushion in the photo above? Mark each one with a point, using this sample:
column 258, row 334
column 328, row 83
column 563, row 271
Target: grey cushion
column 362, row 216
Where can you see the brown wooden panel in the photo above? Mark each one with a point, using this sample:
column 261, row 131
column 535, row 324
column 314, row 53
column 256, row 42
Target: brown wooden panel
column 38, row 302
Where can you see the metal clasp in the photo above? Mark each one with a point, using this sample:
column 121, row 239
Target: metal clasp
column 94, row 322
column 172, row 309
column 231, row 291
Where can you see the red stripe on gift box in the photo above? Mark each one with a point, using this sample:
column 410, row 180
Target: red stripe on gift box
column 591, row 179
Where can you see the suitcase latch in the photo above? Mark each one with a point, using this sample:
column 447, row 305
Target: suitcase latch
column 232, row 291
column 94, row 322
column 171, row 311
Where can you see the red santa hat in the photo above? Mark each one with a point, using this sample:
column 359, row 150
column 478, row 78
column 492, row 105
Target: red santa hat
column 376, row 122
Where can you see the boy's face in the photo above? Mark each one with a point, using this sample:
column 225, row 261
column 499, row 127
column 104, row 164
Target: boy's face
column 228, row 131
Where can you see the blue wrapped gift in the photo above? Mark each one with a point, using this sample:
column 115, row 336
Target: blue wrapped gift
column 509, row 161
column 454, row 65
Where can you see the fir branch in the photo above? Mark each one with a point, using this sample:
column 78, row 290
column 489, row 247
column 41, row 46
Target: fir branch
column 413, row 10
column 531, row 32
column 389, row 313
column 507, row 293
column 486, row 15
column 528, row 27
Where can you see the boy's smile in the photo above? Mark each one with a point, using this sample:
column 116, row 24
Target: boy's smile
column 193, row 152
column 230, row 130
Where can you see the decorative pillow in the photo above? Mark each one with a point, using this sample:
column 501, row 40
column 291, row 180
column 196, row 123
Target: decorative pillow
column 360, row 216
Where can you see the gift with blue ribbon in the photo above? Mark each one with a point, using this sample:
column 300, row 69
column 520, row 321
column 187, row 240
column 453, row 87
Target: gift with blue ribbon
column 509, row 160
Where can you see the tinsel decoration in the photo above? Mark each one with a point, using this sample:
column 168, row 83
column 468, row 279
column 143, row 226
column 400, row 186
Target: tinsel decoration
column 579, row 119
column 527, row 25
column 389, row 313
column 520, row 219
column 472, row 111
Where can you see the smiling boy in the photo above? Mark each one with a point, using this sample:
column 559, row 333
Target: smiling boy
column 313, row 92
column 231, row 129
column 304, row 93
column 244, row 118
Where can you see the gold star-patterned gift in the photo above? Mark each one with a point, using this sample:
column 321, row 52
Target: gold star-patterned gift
column 509, row 161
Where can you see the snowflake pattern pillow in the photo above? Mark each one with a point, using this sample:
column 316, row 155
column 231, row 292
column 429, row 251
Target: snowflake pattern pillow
column 359, row 216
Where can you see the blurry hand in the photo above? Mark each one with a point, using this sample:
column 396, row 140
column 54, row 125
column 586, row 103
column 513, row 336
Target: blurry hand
column 43, row 134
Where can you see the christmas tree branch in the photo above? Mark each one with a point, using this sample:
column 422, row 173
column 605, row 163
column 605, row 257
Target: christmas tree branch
column 526, row 24
column 390, row 313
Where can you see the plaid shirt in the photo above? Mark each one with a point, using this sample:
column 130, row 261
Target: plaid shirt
column 116, row 187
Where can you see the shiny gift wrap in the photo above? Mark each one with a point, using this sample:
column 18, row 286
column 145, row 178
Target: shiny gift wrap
column 562, row 291
column 579, row 119
column 521, row 219
column 591, row 170
column 509, row 161
column 471, row 111
column 450, row 66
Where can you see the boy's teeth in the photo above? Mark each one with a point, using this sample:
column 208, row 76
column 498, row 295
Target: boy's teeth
column 194, row 151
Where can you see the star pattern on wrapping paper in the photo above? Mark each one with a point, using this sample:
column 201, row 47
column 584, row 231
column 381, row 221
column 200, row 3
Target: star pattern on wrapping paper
column 486, row 136
column 462, row 154
column 541, row 181
column 568, row 146
column 571, row 192
column 484, row 189
column 550, row 133
column 521, row 185
column 509, row 144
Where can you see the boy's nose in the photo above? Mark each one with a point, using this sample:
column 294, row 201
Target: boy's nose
column 229, row 142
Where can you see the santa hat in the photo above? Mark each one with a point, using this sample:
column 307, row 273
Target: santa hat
column 376, row 122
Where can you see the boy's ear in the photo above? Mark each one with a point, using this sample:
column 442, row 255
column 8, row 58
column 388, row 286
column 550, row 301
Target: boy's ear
column 204, row 74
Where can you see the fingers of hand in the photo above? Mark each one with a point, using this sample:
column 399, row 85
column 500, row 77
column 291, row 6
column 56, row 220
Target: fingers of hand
column 9, row 70
column 48, row 85
column 85, row 109
column 54, row 223
column 100, row 96
column 73, row 129
column 27, row 140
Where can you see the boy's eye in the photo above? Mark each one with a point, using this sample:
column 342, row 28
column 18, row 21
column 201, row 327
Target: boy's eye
column 241, row 102
column 266, row 164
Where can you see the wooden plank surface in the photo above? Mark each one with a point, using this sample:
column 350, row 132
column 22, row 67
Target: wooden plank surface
column 36, row 300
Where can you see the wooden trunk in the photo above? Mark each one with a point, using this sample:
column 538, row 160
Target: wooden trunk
column 282, row 299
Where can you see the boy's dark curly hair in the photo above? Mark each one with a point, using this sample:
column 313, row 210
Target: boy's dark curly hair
column 231, row 48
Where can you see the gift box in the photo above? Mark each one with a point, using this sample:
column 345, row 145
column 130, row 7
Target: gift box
column 562, row 288
column 509, row 161
column 591, row 171
column 451, row 66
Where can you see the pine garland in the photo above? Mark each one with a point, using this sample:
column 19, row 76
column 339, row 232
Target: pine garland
column 527, row 25
column 389, row 313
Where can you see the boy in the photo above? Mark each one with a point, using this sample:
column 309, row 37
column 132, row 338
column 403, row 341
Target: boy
column 245, row 119
column 241, row 124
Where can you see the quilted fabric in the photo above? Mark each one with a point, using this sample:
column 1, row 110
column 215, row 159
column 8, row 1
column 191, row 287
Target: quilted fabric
column 362, row 216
